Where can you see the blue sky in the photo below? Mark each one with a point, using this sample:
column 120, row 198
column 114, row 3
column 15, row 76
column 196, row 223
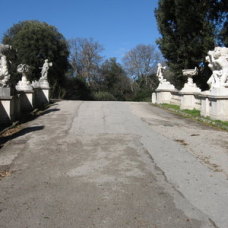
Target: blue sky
column 118, row 25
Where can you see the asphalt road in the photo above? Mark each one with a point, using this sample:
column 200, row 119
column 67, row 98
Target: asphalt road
column 114, row 165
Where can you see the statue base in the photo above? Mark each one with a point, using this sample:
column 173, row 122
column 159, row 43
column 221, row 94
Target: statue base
column 35, row 84
column 165, row 85
column 21, row 87
column 5, row 92
column 219, row 91
column 44, row 84
column 190, row 88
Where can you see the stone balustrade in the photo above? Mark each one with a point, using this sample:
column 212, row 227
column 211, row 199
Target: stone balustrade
column 13, row 107
column 28, row 95
column 213, row 106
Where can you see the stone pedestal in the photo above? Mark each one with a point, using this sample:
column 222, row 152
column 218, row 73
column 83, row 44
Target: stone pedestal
column 188, row 95
column 46, row 95
column 218, row 107
column 27, row 101
column 163, row 96
column 5, row 92
column 154, row 98
column 6, row 110
column 41, row 97
column 188, row 101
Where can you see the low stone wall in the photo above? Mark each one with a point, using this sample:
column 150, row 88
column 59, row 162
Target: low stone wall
column 176, row 98
column 213, row 106
column 13, row 107
column 198, row 102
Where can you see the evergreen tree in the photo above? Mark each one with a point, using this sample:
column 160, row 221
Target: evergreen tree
column 114, row 79
column 187, row 30
column 224, row 34
column 34, row 42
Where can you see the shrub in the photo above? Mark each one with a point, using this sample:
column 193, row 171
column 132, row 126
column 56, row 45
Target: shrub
column 103, row 96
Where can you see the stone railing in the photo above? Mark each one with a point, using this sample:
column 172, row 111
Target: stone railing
column 28, row 95
column 212, row 103
column 13, row 107
column 209, row 105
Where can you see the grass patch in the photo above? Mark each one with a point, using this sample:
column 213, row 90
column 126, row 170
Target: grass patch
column 172, row 106
column 193, row 112
column 219, row 122
column 195, row 115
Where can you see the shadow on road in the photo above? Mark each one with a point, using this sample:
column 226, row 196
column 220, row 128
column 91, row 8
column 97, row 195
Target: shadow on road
column 37, row 113
column 18, row 133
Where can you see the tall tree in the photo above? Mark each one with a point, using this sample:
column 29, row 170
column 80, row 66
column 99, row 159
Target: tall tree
column 224, row 34
column 35, row 41
column 187, row 30
column 85, row 58
column 141, row 62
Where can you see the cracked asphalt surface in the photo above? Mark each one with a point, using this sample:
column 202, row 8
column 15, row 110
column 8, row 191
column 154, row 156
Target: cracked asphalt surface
column 114, row 165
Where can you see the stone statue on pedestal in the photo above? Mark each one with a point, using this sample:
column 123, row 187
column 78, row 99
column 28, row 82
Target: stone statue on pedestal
column 163, row 83
column 160, row 73
column 218, row 63
column 44, row 74
column 24, row 84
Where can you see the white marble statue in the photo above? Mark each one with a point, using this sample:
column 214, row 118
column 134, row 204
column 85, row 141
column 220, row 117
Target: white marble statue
column 43, row 82
column 163, row 83
column 45, row 68
column 160, row 73
column 4, row 73
column 218, row 63
column 24, row 84
column 190, row 86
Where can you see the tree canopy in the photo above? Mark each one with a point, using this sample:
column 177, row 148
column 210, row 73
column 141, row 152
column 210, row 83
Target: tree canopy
column 35, row 41
column 114, row 79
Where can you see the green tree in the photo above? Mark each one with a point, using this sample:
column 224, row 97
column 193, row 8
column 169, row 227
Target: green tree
column 77, row 89
column 35, row 41
column 224, row 34
column 188, row 29
column 114, row 80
